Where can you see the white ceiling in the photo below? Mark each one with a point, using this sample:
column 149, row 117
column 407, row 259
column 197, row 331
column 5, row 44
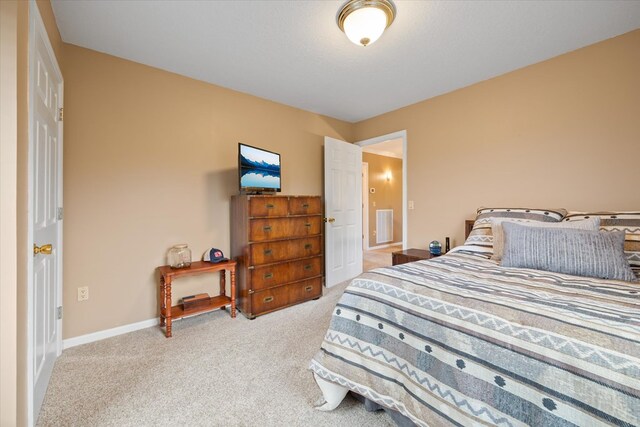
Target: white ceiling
column 292, row 52
column 389, row 148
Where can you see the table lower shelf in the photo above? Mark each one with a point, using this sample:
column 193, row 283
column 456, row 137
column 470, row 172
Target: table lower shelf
column 215, row 303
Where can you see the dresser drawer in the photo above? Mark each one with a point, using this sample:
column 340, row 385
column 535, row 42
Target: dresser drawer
column 268, row 229
column 269, row 299
column 305, row 205
column 269, row 252
column 279, row 228
column 276, row 274
column 305, row 290
column 305, row 226
column 268, row 206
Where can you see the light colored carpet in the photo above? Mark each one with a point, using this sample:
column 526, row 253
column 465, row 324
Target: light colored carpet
column 214, row 371
column 378, row 257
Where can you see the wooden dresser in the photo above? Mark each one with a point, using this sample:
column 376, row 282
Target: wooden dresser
column 277, row 242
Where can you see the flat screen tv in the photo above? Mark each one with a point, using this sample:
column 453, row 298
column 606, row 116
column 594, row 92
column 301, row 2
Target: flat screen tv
column 259, row 169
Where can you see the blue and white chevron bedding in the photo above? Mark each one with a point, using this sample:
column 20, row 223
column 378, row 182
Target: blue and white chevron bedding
column 459, row 340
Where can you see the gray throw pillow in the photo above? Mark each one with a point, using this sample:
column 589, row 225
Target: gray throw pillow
column 498, row 236
column 561, row 250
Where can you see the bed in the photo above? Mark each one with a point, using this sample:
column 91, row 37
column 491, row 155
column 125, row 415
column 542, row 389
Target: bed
column 461, row 340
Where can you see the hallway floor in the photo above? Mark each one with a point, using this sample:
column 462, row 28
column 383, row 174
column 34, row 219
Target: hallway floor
column 379, row 257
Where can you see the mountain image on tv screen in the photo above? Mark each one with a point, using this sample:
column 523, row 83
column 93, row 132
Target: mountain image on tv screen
column 259, row 168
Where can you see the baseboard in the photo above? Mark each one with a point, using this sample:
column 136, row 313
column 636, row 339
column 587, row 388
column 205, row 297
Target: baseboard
column 108, row 333
column 388, row 245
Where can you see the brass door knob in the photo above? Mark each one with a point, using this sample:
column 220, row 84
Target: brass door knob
column 44, row 249
column 329, row 220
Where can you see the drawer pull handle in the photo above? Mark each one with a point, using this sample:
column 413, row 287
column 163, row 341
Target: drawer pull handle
column 267, row 299
column 267, row 228
column 308, row 288
column 307, row 267
column 308, row 224
column 270, row 206
column 307, row 246
column 268, row 276
column 268, row 251
column 305, row 205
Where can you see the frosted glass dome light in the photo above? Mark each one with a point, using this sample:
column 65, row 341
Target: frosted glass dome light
column 364, row 21
column 365, row 26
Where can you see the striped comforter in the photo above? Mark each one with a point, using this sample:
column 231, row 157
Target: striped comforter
column 458, row 340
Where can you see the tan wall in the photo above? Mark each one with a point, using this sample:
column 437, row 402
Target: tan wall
column 150, row 160
column 561, row 133
column 8, row 204
column 388, row 194
column 22, row 230
column 49, row 20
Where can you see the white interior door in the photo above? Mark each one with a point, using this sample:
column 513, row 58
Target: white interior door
column 343, row 209
column 365, row 206
column 45, row 211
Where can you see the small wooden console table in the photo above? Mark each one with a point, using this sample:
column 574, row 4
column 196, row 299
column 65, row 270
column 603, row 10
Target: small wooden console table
column 167, row 274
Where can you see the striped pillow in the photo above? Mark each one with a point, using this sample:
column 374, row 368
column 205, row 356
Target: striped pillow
column 481, row 238
column 629, row 222
column 498, row 234
column 563, row 250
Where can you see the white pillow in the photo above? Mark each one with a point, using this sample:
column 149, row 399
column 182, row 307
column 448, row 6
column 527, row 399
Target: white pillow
column 592, row 223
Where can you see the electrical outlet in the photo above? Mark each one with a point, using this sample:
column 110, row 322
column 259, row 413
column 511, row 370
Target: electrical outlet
column 410, row 204
column 83, row 293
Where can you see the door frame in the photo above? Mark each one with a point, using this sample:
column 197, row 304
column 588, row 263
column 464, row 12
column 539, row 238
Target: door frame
column 396, row 135
column 36, row 26
column 365, row 206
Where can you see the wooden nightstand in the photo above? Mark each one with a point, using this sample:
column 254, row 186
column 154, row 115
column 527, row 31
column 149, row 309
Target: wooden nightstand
column 410, row 255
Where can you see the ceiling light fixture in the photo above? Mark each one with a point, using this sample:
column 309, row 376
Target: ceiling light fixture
column 364, row 21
